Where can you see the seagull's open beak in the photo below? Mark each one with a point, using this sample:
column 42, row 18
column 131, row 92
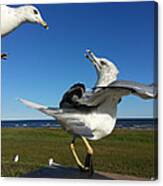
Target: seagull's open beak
column 44, row 24
column 91, row 56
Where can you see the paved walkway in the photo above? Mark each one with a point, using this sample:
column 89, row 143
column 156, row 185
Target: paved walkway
column 59, row 171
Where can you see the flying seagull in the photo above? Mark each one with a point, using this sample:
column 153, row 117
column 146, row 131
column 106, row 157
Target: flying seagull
column 12, row 17
column 91, row 115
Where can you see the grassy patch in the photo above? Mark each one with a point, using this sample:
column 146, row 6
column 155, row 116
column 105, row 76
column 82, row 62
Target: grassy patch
column 130, row 152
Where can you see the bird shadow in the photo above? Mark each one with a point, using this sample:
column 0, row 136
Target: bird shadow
column 62, row 172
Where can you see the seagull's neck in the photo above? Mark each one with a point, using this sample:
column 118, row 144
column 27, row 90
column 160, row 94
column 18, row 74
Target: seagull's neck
column 11, row 19
column 104, row 82
column 105, row 79
column 106, row 75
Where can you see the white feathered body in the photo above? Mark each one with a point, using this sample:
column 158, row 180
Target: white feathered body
column 93, row 125
column 10, row 19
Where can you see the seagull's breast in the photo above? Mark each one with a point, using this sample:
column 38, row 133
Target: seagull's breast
column 92, row 125
column 101, row 125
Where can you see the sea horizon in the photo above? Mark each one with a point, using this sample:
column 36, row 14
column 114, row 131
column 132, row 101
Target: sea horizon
column 129, row 123
column 35, row 119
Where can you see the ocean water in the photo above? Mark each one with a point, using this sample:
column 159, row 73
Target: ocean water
column 121, row 123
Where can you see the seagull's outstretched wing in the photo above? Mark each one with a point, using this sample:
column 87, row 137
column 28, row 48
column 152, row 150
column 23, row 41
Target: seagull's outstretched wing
column 139, row 89
column 115, row 91
column 76, row 126
column 46, row 110
column 32, row 104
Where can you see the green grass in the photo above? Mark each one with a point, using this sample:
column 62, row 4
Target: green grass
column 130, row 152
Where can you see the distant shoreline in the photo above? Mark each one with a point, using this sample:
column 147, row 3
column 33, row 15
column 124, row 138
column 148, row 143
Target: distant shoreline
column 133, row 123
column 60, row 128
column 132, row 118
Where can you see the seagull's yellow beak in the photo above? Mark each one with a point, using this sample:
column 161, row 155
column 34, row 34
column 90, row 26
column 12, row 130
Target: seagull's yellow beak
column 44, row 24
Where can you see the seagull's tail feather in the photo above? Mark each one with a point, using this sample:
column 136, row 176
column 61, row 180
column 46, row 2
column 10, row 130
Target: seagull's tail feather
column 32, row 104
column 46, row 110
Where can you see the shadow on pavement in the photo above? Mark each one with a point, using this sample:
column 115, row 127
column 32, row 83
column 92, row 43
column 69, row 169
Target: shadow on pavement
column 59, row 171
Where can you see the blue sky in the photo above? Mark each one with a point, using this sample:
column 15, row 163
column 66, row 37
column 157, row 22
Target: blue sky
column 43, row 64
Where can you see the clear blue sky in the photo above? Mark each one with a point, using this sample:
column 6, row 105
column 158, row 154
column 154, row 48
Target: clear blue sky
column 43, row 64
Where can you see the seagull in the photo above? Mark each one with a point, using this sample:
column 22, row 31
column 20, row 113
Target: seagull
column 91, row 115
column 51, row 161
column 16, row 158
column 12, row 17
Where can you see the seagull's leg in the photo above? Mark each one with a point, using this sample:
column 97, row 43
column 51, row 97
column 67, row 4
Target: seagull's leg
column 88, row 159
column 72, row 147
column 3, row 56
column 89, row 148
column 88, row 166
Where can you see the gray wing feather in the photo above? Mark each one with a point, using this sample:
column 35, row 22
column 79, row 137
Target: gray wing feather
column 116, row 90
column 139, row 89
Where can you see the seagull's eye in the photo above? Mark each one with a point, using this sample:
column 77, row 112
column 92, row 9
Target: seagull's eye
column 35, row 11
column 102, row 63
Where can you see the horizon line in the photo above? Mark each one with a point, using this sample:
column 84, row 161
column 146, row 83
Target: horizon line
column 22, row 119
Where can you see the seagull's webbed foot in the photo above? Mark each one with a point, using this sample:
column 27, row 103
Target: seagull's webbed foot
column 88, row 166
column 4, row 56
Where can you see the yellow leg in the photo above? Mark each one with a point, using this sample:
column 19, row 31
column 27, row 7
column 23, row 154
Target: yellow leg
column 89, row 148
column 79, row 163
column 89, row 154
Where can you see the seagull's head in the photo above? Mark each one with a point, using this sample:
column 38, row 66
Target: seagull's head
column 32, row 15
column 106, row 71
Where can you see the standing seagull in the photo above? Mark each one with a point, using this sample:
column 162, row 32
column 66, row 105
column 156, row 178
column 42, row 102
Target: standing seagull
column 92, row 115
column 16, row 158
column 11, row 18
